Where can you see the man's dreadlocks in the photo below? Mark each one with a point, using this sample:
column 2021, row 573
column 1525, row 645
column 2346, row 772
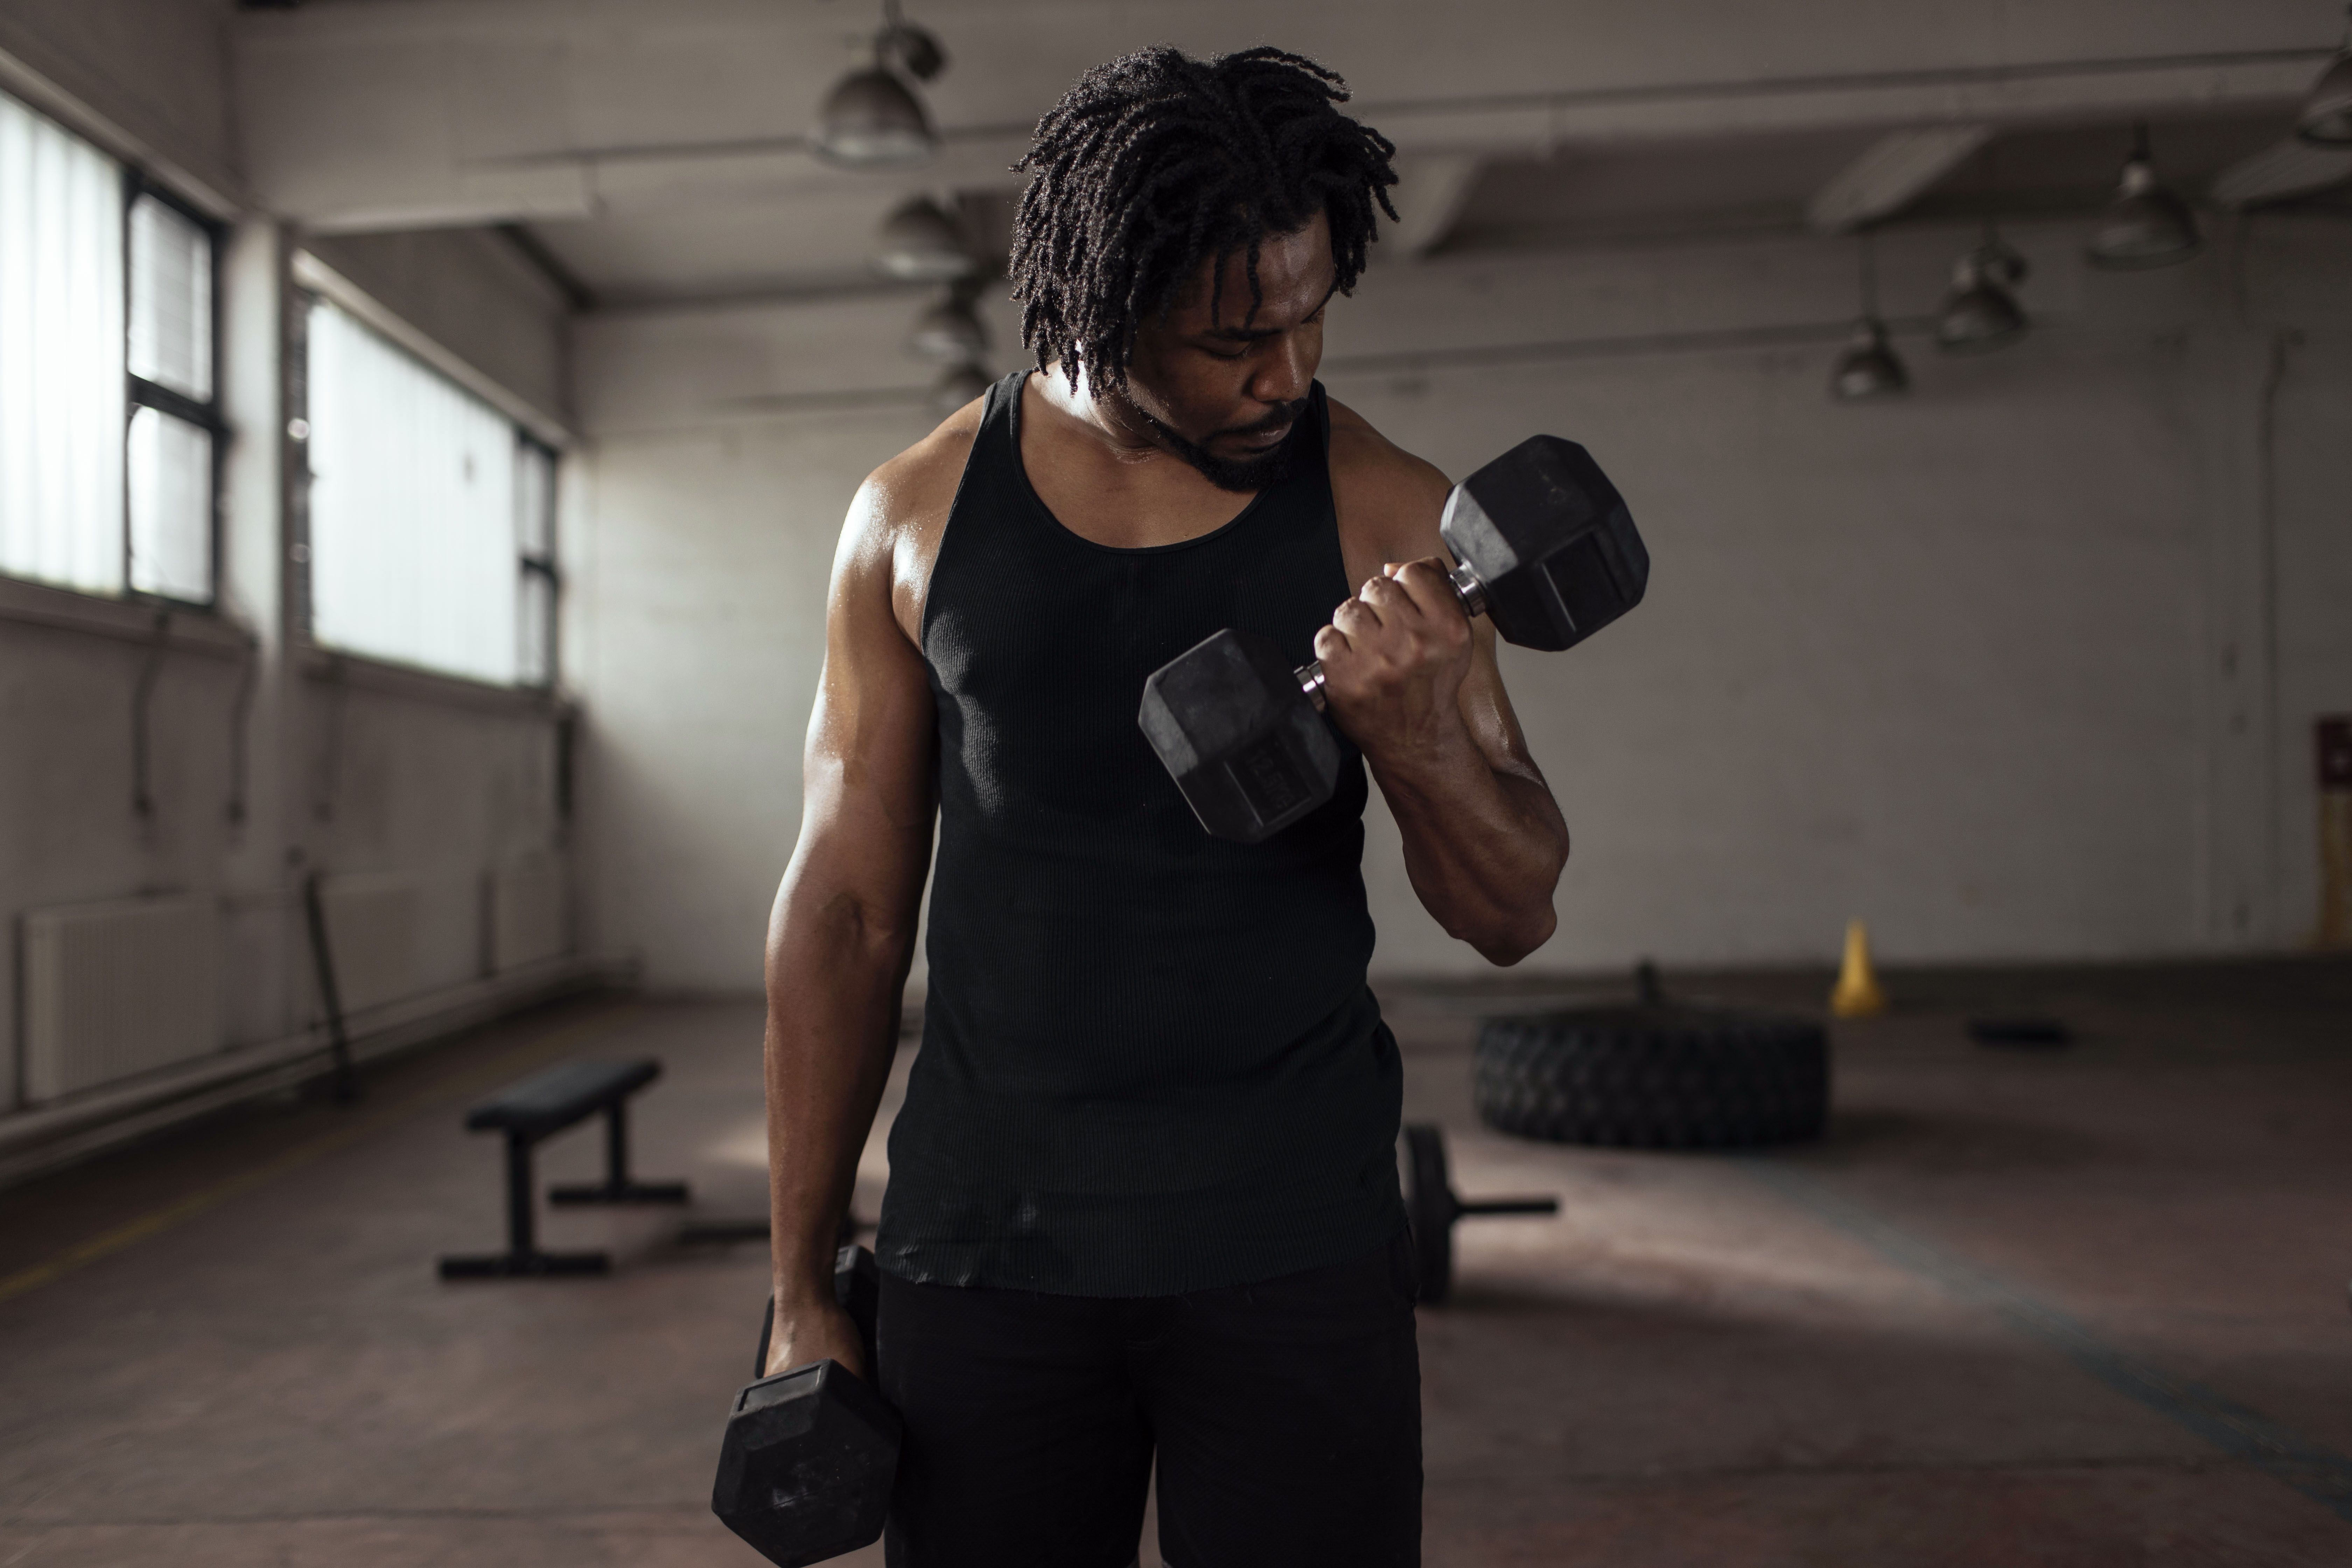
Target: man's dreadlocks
column 1156, row 161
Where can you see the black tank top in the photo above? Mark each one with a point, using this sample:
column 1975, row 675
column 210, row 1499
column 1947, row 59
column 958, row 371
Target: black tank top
column 1150, row 1063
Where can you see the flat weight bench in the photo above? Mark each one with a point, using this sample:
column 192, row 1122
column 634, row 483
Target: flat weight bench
column 537, row 1108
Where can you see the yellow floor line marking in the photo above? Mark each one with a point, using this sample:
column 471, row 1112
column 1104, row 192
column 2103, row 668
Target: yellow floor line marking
column 109, row 1242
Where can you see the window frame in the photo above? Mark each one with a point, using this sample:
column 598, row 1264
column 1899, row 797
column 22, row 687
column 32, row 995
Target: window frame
column 549, row 565
column 140, row 393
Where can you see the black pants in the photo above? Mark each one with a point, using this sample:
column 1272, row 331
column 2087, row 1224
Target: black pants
column 1286, row 1416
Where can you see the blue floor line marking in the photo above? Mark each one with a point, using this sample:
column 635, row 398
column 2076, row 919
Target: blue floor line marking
column 2316, row 1471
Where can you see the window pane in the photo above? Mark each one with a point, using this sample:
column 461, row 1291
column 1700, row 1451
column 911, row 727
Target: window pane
column 535, row 501
column 60, row 355
column 171, row 507
column 171, row 300
column 412, row 509
column 535, row 544
column 535, row 630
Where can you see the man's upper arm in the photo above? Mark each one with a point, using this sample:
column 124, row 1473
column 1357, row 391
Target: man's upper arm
column 1389, row 504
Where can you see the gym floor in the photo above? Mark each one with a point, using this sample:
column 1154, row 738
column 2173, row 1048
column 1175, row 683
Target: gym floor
column 2075, row 1307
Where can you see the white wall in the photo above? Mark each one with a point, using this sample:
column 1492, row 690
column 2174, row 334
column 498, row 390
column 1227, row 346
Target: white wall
column 67, row 774
column 704, row 513
column 2313, row 576
column 699, row 595
column 472, row 292
column 413, row 777
column 1993, row 667
column 349, row 767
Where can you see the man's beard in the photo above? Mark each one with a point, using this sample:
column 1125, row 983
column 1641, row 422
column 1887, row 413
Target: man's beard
column 1263, row 471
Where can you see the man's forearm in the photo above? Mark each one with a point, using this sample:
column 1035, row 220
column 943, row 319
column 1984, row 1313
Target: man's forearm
column 834, row 989
column 1484, row 847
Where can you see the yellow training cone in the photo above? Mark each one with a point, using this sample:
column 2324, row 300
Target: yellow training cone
column 1857, row 994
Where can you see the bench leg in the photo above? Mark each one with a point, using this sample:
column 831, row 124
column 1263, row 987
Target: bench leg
column 523, row 1255
column 616, row 1187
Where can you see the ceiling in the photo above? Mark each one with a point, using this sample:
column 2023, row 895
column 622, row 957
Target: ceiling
column 748, row 243
column 653, row 152
column 1673, row 189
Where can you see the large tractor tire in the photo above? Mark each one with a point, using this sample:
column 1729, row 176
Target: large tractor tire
column 1657, row 1076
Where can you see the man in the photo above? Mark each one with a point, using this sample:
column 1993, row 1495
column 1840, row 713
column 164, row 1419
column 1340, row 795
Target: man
column 1143, row 1196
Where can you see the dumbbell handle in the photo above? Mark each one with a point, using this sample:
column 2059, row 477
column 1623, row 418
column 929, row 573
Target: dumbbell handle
column 1467, row 590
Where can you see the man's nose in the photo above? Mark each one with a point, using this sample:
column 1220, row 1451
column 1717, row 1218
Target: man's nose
column 1285, row 374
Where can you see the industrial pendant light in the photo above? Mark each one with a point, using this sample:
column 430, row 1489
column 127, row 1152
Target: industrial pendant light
column 1979, row 313
column 950, row 330
column 2147, row 223
column 871, row 119
column 1868, row 367
column 960, row 386
column 921, row 243
column 2326, row 118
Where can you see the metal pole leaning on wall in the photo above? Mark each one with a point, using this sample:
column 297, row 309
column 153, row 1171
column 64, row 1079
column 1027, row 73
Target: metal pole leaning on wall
column 323, row 957
column 2334, row 735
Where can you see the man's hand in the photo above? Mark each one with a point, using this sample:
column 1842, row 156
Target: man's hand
column 815, row 1331
column 1413, row 682
column 1394, row 657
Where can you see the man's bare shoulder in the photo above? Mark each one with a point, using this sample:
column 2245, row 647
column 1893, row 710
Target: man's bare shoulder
column 1387, row 499
column 912, row 492
column 900, row 514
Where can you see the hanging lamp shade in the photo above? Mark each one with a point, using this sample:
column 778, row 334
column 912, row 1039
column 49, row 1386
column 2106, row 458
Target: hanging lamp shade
column 2326, row 118
column 1998, row 262
column 916, row 49
column 921, row 243
column 2147, row 223
column 949, row 330
column 1868, row 369
column 960, row 386
column 1979, row 313
column 871, row 120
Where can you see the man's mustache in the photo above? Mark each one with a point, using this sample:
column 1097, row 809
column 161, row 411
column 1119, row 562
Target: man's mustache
column 1282, row 414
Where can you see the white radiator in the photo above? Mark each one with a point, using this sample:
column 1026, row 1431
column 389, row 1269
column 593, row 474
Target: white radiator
column 371, row 932
column 529, row 911
column 116, row 989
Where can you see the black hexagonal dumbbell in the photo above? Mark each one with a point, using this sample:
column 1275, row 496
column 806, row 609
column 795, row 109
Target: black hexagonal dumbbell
column 805, row 1470
column 1548, row 553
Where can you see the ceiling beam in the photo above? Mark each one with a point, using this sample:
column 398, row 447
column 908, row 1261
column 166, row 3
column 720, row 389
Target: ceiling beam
column 2281, row 171
column 1894, row 171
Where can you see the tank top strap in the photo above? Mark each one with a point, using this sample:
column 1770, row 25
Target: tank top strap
column 995, row 457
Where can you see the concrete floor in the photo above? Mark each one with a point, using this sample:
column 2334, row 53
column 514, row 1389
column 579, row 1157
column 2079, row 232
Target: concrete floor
column 2085, row 1307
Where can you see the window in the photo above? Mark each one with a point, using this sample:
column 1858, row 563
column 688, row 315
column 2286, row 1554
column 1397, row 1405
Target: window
column 432, row 515
column 107, row 413
column 172, row 419
column 61, row 399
